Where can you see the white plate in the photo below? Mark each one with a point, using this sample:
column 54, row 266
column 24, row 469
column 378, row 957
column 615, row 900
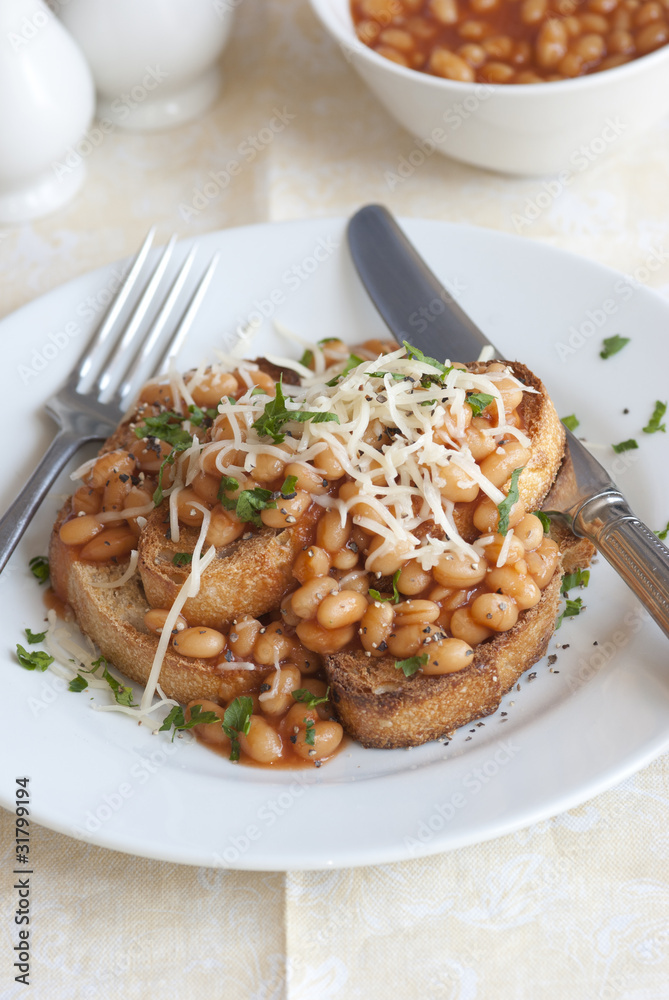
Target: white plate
column 567, row 735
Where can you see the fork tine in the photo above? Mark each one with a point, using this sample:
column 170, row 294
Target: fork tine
column 109, row 378
column 176, row 341
column 136, row 369
column 102, row 334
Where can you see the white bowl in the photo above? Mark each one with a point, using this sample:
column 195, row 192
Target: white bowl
column 518, row 129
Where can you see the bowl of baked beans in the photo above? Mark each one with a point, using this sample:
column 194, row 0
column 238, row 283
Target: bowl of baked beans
column 517, row 86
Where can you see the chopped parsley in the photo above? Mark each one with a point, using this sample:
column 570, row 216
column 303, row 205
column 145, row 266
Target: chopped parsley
column 628, row 445
column 310, row 736
column 158, row 492
column 396, row 594
column 78, row 683
column 479, row 401
column 579, row 578
column 416, row 355
column 545, row 520
column 654, row 424
column 34, row 637
column 249, row 503
column 237, row 720
column 612, row 345
column 37, row 660
column 572, row 608
column 276, row 415
column 228, row 485
column 507, row 503
column 412, row 664
column 352, row 362
column 182, row 558
column 166, row 427
column 199, row 417
column 288, row 488
column 307, row 358
column 310, row 700
column 663, row 534
column 39, row 567
column 177, row 718
column 122, row 694
column 571, row 422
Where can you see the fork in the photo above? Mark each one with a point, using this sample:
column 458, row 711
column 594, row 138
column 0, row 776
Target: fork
column 121, row 353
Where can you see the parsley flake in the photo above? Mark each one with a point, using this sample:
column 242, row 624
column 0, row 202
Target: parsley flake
column 275, row 415
column 166, row 427
column 412, row 664
column 37, row 660
column 310, row 736
column 122, row 694
column 571, row 422
column 396, row 594
column 158, row 492
column 39, row 567
column 479, row 401
column 177, row 718
column 237, row 720
column 612, row 345
column 628, row 445
column 249, row 503
column 307, row 359
column 572, row 608
column 288, row 488
column 663, row 534
column 352, row 362
column 579, row 578
column 34, row 637
column 416, row 355
column 545, row 520
column 78, row 683
column 182, row 558
column 309, row 699
column 654, row 424
column 507, row 503
column 228, row 485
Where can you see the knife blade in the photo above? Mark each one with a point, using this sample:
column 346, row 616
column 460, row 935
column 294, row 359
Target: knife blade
column 402, row 287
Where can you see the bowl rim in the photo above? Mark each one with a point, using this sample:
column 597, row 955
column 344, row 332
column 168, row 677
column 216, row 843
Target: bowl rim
column 324, row 10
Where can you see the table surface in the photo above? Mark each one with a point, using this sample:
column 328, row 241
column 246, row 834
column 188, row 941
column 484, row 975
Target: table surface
column 572, row 907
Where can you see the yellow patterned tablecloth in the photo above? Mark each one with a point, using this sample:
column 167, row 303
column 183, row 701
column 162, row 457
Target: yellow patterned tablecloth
column 575, row 907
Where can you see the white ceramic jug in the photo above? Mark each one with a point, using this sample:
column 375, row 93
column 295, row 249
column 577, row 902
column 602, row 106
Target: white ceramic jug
column 154, row 61
column 47, row 99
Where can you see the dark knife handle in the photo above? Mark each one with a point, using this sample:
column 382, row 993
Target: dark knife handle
column 407, row 294
column 635, row 553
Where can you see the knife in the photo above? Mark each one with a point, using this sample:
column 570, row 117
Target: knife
column 400, row 285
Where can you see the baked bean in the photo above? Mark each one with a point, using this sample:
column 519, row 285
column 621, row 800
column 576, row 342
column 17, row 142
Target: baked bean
column 262, row 742
column 358, row 508
column 454, row 483
column 86, row 500
column 407, row 641
column 157, row 394
column 211, row 732
column 497, row 72
column 498, row 47
column 593, row 22
column 206, row 487
column 445, row 11
column 110, row 544
column 521, row 587
column 150, row 455
column 112, row 464
column 647, row 13
column 368, row 31
column 589, row 47
column 287, row 512
column 480, row 444
column 79, row 530
column 413, row 579
column 307, row 478
column 155, row 619
column 212, row 387
column 602, row 6
column 137, row 497
column 268, row 468
column 288, row 616
column 474, row 54
column 521, row 54
column 398, row 39
column 199, row 642
column 375, row 627
column 529, row 531
column 551, row 46
column 272, row 644
column 306, row 660
column 533, row 11
column 279, row 698
column 345, row 559
column 486, row 514
column 571, row 65
column 620, row 42
column 326, row 462
column 331, row 534
column 306, row 599
column 542, row 563
column 389, row 562
column 484, row 6
column 319, row 689
column 189, row 507
column 326, row 738
column 297, row 717
column 341, row 609
column 458, row 570
column 504, row 460
column 445, row 63
column 311, row 562
column 651, row 37
column 492, row 545
column 115, row 492
column 381, row 10
column 415, row 612
column 496, row 611
column 357, row 580
column 473, row 31
column 228, row 426
column 464, row 627
column 223, row 528
column 324, row 640
column 242, row 637
column 612, row 61
column 447, row 657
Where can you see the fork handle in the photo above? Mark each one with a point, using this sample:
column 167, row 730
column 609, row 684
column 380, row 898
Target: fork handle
column 23, row 509
column 632, row 549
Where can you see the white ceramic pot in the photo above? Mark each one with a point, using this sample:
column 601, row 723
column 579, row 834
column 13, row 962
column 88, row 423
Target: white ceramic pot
column 154, row 61
column 536, row 128
column 47, row 99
